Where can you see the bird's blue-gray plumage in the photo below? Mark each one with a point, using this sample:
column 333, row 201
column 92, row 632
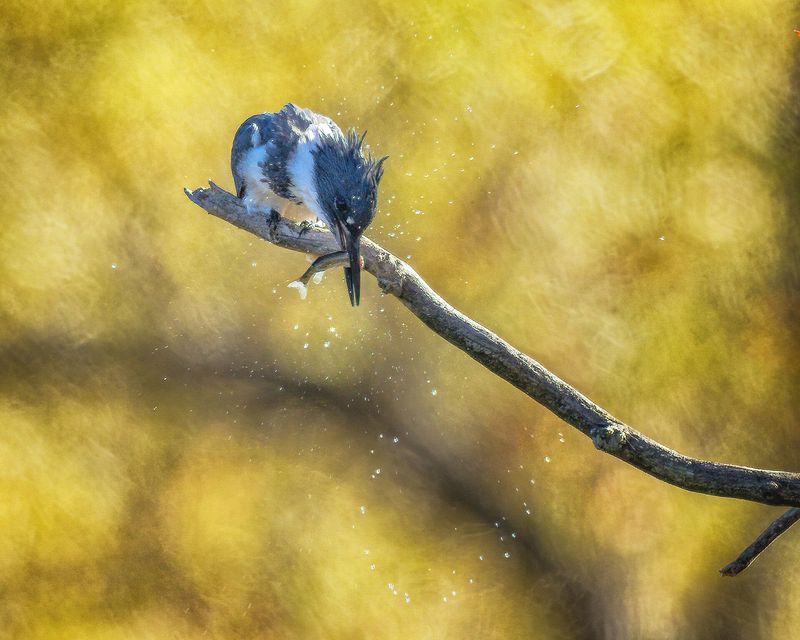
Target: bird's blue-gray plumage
column 344, row 172
column 279, row 133
column 298, row 156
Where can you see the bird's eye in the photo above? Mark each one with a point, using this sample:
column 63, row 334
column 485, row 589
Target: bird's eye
column 341, row 204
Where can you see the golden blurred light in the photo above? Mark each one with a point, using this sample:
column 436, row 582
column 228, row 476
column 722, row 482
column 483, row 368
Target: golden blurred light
column 189, row 450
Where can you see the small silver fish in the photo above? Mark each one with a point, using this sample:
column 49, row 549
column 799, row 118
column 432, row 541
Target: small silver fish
column 318, row 267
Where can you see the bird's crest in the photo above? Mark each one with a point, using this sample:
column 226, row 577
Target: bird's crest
column 352, row 148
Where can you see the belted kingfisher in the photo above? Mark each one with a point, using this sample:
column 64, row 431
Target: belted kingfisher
column 298, row 156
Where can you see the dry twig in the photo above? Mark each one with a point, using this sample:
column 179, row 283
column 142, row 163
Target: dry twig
column 608, row 434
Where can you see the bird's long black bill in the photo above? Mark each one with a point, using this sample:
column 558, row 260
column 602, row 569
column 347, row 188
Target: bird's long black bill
column 348, row 278
column 352, row 274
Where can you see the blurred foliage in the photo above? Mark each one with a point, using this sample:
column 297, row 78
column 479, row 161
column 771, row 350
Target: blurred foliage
column 188, row 450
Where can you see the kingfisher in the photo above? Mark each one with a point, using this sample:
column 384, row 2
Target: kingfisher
column 296, row 156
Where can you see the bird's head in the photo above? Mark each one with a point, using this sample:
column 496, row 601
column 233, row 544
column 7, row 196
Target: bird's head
column 347, row 191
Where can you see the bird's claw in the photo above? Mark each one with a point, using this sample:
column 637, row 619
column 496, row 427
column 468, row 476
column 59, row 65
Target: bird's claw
column 273, row 218
column 308, row 225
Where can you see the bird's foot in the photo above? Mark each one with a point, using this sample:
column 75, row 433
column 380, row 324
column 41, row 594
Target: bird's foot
column 308, row 225
column 273, row 218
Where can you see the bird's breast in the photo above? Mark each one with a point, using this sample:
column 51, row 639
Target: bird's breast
column 301, row 171
column 251, row 168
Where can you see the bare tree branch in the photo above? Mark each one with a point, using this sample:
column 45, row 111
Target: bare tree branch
column 606, row 432
column 766, row 538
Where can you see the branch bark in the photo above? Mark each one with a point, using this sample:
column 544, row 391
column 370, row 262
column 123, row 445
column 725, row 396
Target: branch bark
column 608, row 434
column 766, row 538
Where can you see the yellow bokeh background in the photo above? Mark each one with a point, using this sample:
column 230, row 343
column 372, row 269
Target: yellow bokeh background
column 189, row 450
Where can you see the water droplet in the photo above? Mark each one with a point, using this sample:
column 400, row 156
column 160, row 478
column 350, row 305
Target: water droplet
column 434, row 392
column 114, row 265
column 547, row 458
column 326, row 344
column 362, row 509
column 507, row 554
column 305, row 346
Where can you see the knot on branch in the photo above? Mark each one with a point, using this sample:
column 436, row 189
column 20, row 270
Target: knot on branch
column 775, row 490
column 390, row 285
column 389, row 273
column 609, row 438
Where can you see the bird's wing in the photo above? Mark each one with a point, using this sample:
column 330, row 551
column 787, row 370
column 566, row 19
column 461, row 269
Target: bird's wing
column 253, row 132
column 289, row 127
column 280, row 134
